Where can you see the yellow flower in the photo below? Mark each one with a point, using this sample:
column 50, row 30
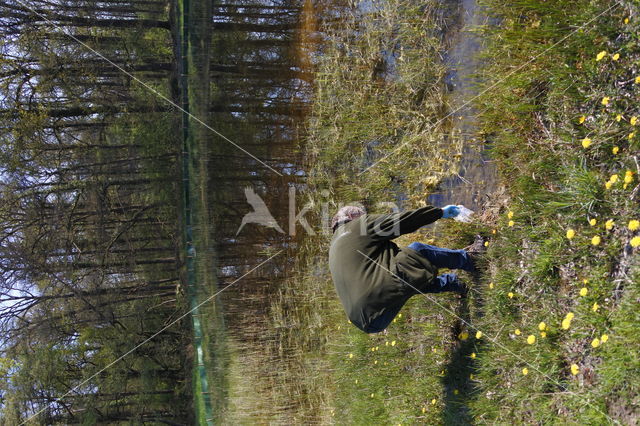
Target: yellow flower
column 463, row 335
column 582, row 119
column 456, row 391
column 486, row 243
column 615, row 150
column 371, row 395
column 638, row 79
column 595, row 307
column 356, row 381
column 614, row 178
column 574, row 369
column 634, row 224
column 470, row 376
column 478, row 334
column 375, row 362
column 628, row 176
column 350, row 355
column 566, row 323
column 616, row 57
column 393, row 343
column 510, row 214
column 595, row 342
column 531, row 339
column 543, row 334
column 635, row 241
column 473, row 355
column 601, row 55
column 633, row 120
column 542, row 326
column 608, row 185
column 593, row 222
column 586, row 143
column 604, row 338
column 525, row 371
column 491, row 285
column 433, row 401
column 595, row 240
column 583, row 291
column 517, row 331
column 618, row 117
column 626, row 20
column 510, row 295
column 570, row 316
column 511, row 223
column 605, row 100
column 424, row 410
column 609, row 224
column 571, row 233
column 631, row 135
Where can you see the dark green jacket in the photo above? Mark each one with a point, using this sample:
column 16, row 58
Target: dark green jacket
column 363, row 261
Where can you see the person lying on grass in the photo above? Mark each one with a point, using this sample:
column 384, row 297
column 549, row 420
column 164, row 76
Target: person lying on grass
column 374, row 277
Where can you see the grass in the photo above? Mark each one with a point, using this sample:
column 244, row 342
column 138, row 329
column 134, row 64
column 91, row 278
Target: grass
column 430, row 366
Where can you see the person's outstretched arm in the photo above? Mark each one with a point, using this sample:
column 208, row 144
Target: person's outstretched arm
column 390, row 226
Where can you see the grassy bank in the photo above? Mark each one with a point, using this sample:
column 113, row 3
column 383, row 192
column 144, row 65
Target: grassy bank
column 543, row 75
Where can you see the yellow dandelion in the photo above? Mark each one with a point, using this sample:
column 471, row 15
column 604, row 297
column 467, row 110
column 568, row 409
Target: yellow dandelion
column 386, row 343
column 595, row 307
column 614, row 178
column 478, row 334
column 601, row 55
column 375, row 362
column 373, row 349
column 638, row 79
column 510, row 295
column 456, row 391
column 585, row 281
column 424, row 410
column 595, row 342
column 625, row 186
column 575, row 369
column 433, row 401
column 582, row 119
column 542, row 326
column 618, row 117
column 605, row 100
column 626, row 20
column 510, row 214
column 473, row 355
column 634, row 224
column 609, row 224
column 633, row 120
column 628, row 176
column 531, row 339
column 350, row 355
column 586, row 143
column 493, row 231
column 570, row 316
column 511, row 223
column 593, row 222
column 631, row 135
column 608, row 184
column 525, row 371
column 356, row 381
column 583, row 291
column 615, row 150
column 616, row 57
column 372, row 395
column 463, row 335
column 486, row 243
column 518, row 332
column 635, row 241
column 595, row 240
column 604, row 338
column 571, row 233
column 543, row 334
column 491, row 285
column 566, row 323
column 393, row 343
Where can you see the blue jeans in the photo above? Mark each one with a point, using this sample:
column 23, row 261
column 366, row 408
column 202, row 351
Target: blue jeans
column 440, row 258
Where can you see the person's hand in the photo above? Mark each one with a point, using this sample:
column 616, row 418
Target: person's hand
column 450, row 211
